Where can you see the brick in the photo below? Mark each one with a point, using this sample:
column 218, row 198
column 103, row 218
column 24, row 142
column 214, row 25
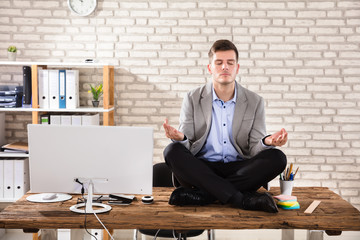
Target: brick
column 37, row 12
column 330, row 22
column 311, row 14
column 255, row 22
column 299, row 22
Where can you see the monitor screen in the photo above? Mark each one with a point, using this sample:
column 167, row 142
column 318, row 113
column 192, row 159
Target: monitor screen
column 117, row 159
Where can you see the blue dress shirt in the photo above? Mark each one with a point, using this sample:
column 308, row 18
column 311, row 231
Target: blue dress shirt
column 219, row 146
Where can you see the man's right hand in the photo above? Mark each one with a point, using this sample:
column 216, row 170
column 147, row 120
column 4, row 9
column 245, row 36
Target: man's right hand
column 172, row 132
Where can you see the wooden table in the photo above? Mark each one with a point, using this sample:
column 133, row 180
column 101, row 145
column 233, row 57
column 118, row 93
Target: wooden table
column 334, row 214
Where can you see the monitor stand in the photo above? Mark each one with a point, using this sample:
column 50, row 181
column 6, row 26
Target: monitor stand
column 88, row 206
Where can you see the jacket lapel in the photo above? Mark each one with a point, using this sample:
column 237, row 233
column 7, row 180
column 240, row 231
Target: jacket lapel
column 240, row 108
column 206, row 104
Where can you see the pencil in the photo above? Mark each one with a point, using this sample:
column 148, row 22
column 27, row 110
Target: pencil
column 296, row 172
column 288, row 176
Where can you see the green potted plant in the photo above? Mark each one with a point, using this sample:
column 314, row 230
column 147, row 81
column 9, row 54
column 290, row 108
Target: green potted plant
column 12, row 53
column 96, row 92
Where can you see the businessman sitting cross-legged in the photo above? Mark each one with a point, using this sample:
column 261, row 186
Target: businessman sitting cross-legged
column 221, row 150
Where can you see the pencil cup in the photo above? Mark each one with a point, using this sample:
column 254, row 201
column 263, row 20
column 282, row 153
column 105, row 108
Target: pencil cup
column 286, row 187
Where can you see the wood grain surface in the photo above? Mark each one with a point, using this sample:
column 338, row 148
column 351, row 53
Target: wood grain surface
column 333, row 214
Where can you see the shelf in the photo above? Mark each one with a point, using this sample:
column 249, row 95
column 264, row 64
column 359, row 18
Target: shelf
column 81, row 109
column 8, row 200
column 10, row 155
column 68, row 64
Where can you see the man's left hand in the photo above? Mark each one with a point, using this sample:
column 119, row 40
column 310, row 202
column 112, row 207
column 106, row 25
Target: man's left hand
column 277, row 139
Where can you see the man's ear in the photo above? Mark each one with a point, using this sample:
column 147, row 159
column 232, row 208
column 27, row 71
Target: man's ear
column 209, row 68
column 238, row 68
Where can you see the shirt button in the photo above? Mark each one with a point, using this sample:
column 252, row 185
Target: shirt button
column 224, row 142
column 224, row 107
column 224, row 124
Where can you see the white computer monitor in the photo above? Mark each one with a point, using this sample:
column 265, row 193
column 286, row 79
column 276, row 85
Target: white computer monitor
column 116, row 159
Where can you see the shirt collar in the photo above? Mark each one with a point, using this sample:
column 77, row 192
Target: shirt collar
column 215, row 97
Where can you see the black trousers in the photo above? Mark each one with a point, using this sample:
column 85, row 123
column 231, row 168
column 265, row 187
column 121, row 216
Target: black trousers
column 223, row 180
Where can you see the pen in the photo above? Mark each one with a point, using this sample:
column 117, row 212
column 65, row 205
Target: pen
column 291, row 177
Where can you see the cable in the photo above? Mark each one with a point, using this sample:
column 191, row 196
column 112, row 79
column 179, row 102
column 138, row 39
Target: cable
column 82, row 186
column 157, row 232
column 103, row 226
column 85, row 224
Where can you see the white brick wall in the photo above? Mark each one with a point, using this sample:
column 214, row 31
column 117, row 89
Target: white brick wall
column 302, row 56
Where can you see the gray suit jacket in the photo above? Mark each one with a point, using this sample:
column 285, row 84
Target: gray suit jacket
column 248, row 124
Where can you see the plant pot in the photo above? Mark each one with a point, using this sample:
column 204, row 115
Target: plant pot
column 95, row 103
column 11, row 56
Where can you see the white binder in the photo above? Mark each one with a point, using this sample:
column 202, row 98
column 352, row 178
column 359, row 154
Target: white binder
column 8, row 179
column 21, row 178
column 55, row 119
column 72, row 89
column 90, row 119
column 54, row 89
column 76, row 120
column 1, row 178
column 44, row 88
column 65, row 120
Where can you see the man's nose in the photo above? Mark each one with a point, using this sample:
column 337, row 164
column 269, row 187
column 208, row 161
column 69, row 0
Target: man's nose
column 225, row 66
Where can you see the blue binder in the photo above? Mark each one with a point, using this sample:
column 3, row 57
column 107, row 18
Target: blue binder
column 62, row 89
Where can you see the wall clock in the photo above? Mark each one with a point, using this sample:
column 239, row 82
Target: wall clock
column 82, row 7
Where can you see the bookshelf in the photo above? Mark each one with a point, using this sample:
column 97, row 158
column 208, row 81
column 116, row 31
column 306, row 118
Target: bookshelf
column 108, row 90
column 108, row 98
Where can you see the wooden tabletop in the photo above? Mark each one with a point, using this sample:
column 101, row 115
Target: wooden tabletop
column 333, row 213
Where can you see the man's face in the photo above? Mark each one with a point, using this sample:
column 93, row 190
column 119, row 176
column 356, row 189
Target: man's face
column 223, row 67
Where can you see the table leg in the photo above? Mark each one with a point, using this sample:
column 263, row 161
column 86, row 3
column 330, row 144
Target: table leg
column 106, row 235
column 315, row 235
column 287, row 234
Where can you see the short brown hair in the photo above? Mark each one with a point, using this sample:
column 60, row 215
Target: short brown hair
column 223, row 45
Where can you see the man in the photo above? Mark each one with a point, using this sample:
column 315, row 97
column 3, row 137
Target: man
column 221, row 150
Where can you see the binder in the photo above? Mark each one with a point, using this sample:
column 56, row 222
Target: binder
column 45, row 119
column 20, row 177
column 2, row 129
column 55, row 120
column 62, row 89
column 72, row 89
column 8, row 179
column 54, row 89
column 90, row 119
column 44, row 89
column 1, row 178
column 76, row 120
column 65, row 120
column 27, row 85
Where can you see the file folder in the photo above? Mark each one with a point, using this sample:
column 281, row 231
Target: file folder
column 27, row 85
column 90, row 119
column 1, row 178
column 65, row 120
column 55, row 120
column 62, row 89
column 72, row 89
column 8, row 179
column 54, row 89
column 45, row 119
column 21, row 177
column 2, row 129
column 76, row 120
column 44, row 89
